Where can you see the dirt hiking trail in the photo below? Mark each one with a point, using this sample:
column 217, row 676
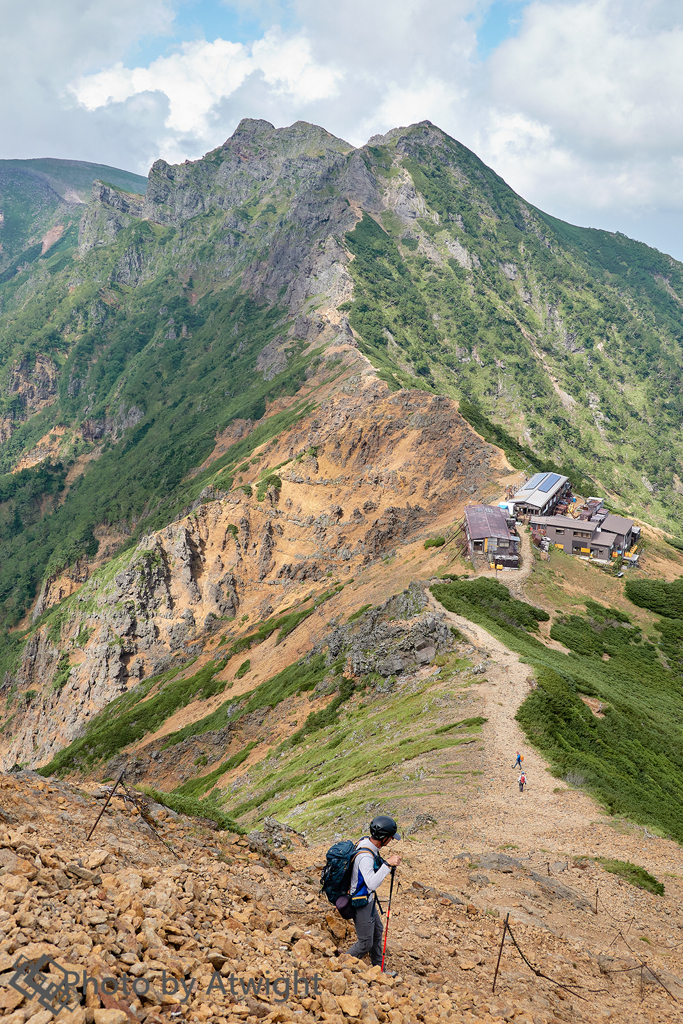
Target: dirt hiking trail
column 547, row 807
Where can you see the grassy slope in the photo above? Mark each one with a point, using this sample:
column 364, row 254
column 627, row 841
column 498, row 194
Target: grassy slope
column 632, row 759
column 79, row 174
column 591, row 308
column 365, row 735
column 31, row 194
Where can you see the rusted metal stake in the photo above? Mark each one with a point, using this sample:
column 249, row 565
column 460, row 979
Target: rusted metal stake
column 596, row 902
column 500, row 951
column 106, row 804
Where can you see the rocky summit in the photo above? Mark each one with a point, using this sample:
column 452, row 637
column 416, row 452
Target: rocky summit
column 245, row 407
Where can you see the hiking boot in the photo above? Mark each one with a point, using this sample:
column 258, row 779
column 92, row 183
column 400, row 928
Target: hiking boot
column 391, row 974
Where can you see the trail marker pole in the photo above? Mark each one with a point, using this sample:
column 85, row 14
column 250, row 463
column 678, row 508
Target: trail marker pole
column 386, row 930
column 106, row 804
column 500, row 952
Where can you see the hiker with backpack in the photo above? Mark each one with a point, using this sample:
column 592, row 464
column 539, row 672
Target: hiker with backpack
column 522, row 782
column 352, row 874
column 518, row 761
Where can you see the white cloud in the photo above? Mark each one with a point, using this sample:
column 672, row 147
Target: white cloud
column 202, row 74
column 46, row 43
column 605, row 73
column 581, row 111
column 587, row 105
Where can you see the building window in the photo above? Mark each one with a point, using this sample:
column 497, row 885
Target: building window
column 559, row 530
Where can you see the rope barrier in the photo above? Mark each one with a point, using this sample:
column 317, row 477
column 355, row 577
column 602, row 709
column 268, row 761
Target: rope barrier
column 146, row 818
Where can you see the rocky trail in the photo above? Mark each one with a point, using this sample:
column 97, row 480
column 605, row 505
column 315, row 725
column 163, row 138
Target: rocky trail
column 190, row 923
column 185, row 923
column 216, row 927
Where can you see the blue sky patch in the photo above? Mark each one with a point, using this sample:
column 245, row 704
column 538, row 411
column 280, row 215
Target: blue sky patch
column 198, row 19
column 501, row 22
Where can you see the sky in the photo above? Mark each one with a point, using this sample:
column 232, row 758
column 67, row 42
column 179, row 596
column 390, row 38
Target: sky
column 578, row 104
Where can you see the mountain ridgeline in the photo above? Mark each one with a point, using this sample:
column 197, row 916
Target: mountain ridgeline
column 41, row 203
column 137, row 338
column 243, row 406
column 134, row 338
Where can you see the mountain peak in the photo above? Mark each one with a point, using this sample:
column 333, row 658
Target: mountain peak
column 251, row 126
column 293, row 139
column 394, row 133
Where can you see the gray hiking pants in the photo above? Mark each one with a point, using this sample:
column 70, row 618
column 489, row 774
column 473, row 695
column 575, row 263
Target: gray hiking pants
column 369, row 930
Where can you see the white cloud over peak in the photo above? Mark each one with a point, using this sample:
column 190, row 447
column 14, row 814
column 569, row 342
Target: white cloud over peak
column 202, row 74
column 580, row 111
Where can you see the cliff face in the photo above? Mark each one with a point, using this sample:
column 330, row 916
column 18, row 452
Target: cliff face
column 249, row 379
column 350, row 487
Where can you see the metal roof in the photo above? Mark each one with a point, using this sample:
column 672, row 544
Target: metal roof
column 561, row 521
column 549, row 482
column 540, row 489
column 602, row 537
column 617, row 524
column 486, row 521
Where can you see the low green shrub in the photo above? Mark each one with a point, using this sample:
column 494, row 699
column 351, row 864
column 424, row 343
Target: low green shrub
column 193, row 808
column 285, row 624
column 484, row 599
column 62, row 674
column 435, row 542
column 84, row 635
column 272, row 480
column 194, row 788
column 632, row 873
column 465, row 723
column 129, row 719
column 300, row 677
column 631, row 760
column 657, row 596
column 360, row 611
column 327, row 716
column 243, row 669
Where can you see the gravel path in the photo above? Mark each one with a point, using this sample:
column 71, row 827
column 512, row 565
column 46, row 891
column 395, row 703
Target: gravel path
column 548, row 813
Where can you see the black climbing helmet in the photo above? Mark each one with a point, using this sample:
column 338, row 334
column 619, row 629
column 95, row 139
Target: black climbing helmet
column 384, row 827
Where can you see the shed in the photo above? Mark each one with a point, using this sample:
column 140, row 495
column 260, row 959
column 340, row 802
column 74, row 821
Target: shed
column 541, row 494
column 488, row 533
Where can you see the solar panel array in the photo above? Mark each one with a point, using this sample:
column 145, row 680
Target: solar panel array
column 549, row 483
column 532, row 484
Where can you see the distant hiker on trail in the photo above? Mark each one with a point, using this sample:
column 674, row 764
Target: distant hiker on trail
column 518, row 762
column 369, row 871
column 522, row 782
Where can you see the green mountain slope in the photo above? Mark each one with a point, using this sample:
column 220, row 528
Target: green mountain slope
column 135, row 338
column 36, row 195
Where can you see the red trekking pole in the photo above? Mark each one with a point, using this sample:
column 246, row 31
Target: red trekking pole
column 386, row 930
